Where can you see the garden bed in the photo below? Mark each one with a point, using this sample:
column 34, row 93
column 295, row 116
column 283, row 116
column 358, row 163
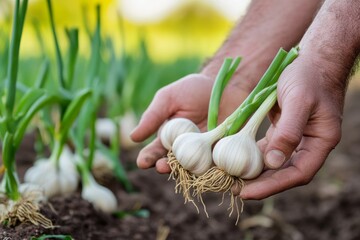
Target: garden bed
column 327, row 208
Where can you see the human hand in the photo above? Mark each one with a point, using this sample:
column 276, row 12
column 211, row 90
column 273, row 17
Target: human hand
column 189, row 98
column 306, row 126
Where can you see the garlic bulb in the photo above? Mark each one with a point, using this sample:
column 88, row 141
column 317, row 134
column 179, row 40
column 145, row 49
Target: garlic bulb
column 54, row 180
column 106, row 128
column 101, row 197
column 238, row 154
column 174, row 128
column 193, row 150
column 32, row 192
column 102, row 166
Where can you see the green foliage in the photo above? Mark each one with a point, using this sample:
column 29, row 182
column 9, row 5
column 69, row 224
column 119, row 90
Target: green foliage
column 48, row 237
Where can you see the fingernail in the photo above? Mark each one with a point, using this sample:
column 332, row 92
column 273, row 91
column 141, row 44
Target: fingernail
column 274, row 159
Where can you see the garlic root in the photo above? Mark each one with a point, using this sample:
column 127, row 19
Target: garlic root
column 183, row 178
column 24, row 211
column 217, row 180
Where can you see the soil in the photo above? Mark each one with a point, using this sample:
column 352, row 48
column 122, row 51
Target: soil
column 326, row 209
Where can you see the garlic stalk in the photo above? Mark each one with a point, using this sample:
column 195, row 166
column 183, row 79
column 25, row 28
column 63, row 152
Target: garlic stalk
column 174, row 128
column 55, row 178
column 236, row 157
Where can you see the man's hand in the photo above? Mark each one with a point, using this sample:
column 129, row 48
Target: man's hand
column 306, row 126
column 307, row 123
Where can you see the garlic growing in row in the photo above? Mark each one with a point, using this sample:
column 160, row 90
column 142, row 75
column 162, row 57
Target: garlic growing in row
column 55, row 180
column 174, row 128
column 101, row 197
column 238, row 154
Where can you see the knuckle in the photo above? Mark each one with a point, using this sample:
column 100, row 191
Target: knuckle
column 288, row 137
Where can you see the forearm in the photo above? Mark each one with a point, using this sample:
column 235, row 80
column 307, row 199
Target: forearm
column 333, row 40
column 267, row 26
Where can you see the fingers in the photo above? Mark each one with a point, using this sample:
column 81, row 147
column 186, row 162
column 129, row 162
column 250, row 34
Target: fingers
column 150, row 154
column 286, row 133
column 155, row 115
column 162, row 166
column 304, row 165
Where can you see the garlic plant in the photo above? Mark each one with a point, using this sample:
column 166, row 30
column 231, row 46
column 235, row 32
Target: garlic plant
column 101, row 197
column 16, row 114
column 55, row 178
column 236, row 157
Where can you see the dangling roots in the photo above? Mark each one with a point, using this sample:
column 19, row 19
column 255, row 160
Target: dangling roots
column 217, row 180
column 183, row 178
column 24, row 211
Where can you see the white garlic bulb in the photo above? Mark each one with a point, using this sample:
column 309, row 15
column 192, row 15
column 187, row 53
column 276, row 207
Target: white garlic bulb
column 193, row 150
column 106, row 128
column 101, row 197
column 102, row 166
column 239, row 156
column 55, row 180
column 32, row 192
column 174, row 128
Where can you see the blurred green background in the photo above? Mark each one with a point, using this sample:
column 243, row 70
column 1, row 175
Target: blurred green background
column 160, row 40
column 171, row 28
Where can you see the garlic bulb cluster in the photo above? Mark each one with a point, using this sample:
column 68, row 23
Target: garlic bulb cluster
column 101, row 197
column 174, row 128
column 55, row 180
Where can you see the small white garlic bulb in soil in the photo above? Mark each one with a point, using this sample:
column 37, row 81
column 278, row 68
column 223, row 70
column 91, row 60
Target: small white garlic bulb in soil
column 101, row 197
column 55, row 180
column 174, row 128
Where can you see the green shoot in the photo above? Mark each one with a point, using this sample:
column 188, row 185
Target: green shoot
column 57, row 47
column 271, row 76
column 225, row 73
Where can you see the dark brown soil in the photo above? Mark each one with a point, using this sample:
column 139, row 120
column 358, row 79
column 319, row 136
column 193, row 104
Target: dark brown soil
column 326, row 209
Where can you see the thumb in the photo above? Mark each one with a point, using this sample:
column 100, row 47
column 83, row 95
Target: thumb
column 287, row 133
column 153, row 117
